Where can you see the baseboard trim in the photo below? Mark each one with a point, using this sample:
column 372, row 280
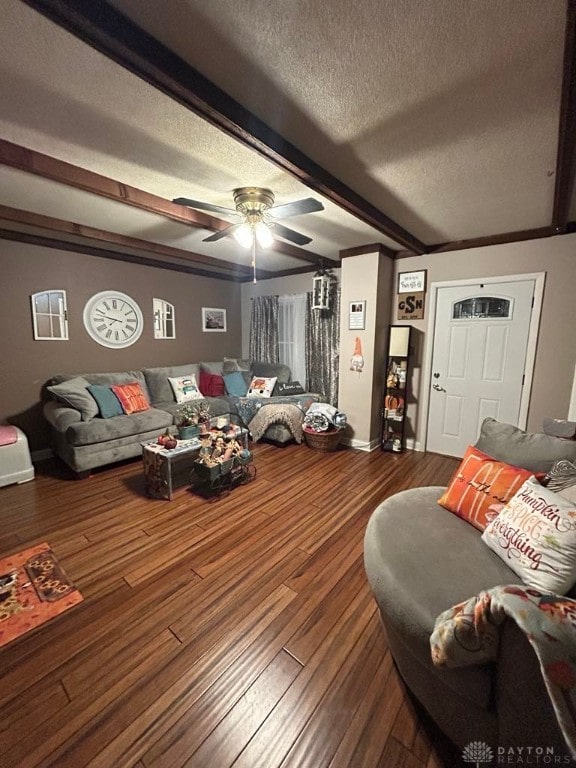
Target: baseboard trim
column 41, row 455
column 361, row 445
column 414, row 445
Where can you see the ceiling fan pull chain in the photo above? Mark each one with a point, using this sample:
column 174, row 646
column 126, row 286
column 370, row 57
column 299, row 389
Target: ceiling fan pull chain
column 254, row 257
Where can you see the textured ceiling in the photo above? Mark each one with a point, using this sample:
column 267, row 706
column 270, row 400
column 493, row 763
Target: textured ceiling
column 444, row 115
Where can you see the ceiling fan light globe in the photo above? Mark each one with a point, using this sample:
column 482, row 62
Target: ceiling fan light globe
column 244, row 235
column 263, row 235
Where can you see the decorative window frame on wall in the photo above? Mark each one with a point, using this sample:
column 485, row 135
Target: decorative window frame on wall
column 164, row 319
column 50, row 315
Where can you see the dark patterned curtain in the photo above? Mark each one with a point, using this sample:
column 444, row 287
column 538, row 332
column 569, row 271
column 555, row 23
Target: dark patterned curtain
column 322, row 347
column 264, row 329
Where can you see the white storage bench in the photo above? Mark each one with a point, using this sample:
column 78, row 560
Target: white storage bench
column 15, row 463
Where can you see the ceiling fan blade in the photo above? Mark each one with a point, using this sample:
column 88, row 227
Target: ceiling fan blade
column 289, row 234
column 203, row 206
column 220, row 234
column 307, row 205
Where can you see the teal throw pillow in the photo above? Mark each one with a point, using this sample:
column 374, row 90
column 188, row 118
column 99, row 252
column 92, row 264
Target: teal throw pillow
column 108, row 403
column 236, row 384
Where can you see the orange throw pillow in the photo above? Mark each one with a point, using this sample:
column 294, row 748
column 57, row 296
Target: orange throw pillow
column 132, row 398
column 481, row 487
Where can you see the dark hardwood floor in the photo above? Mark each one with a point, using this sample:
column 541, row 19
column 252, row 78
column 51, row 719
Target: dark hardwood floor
column 239, row 632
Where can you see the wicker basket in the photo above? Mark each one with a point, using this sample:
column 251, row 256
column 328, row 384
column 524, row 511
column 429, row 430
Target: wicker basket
column 323, row 441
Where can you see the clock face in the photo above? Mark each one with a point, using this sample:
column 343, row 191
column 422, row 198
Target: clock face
column 113, row 319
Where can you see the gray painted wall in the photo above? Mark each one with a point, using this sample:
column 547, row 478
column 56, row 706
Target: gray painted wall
column 27, row 364
column 556, row 350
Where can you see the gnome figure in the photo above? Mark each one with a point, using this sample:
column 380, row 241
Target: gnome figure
column 357, row 361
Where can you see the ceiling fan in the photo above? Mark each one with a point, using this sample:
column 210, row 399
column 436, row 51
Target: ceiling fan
column 255, row 206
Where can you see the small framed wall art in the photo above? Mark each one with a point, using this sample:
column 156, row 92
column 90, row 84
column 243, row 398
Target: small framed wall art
column 213, row 320
column 357, row 316
column 412, row 282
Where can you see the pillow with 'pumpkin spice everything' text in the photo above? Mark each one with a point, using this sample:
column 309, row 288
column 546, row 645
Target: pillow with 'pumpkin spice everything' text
column 535, row 535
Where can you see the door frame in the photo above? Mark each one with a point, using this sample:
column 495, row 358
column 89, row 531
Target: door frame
column 539, row 281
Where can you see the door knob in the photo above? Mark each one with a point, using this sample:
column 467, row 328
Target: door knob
column 438, row 388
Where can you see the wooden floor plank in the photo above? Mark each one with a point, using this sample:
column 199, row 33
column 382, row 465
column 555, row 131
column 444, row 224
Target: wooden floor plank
column 367, row 732
column 311, row 633
column 397, row 756
column 240, row 632
column 236, row 729
column 274, row 739
column 156, row 728
column 319, row 739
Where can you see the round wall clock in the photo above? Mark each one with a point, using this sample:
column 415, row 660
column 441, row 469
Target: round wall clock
column 113, row 319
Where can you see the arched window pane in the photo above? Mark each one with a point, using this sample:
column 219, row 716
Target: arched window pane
column 50, row 316
column 481, row 307
column 164, row 320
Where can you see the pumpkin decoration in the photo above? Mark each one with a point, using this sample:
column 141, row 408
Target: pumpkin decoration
column 393, row 402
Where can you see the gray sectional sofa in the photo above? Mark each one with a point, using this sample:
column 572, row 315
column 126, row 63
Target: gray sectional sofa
column 420, row 560
column 85, row 441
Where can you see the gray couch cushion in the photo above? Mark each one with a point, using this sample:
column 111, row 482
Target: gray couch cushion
column 121, row 377
column 158, row 384
column 268, row 370
column 74, row 393
column 215, row 368
column 420, row 560
column 232, row 364
column 102, row 430
column 533, row 451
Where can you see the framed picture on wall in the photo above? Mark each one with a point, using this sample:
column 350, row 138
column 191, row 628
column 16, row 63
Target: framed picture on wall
column 412, row 282
column 357, row 316
column 213, row 320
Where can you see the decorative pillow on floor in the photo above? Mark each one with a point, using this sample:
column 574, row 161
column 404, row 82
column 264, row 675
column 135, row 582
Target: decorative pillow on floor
column 131, row 396
column 108, row 403
column 236, row 384
column 74, row 393
column 211, row 384
column 481, row 486
column 262, row 387
column 535, row 535
column 185, row 388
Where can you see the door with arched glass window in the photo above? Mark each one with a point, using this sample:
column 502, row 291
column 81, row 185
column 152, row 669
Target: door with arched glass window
column 480, row 343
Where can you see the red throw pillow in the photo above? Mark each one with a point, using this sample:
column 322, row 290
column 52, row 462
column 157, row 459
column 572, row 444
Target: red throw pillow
column 132, row 398
column 211, row 384
column 481, row 486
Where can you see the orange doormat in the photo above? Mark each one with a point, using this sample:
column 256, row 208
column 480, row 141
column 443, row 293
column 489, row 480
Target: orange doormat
column 33, row 589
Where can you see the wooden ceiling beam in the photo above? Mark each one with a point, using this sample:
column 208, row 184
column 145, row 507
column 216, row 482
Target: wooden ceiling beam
column 58, row 230
column 38, row 164
column 565, row 157
column 482, row 242
column 380, row 248
column 53, row 241
column 104, row 28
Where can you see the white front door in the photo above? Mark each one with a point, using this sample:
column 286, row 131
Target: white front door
column 480, row 341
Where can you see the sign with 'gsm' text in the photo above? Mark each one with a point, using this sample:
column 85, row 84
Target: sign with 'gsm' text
column 410, row 306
